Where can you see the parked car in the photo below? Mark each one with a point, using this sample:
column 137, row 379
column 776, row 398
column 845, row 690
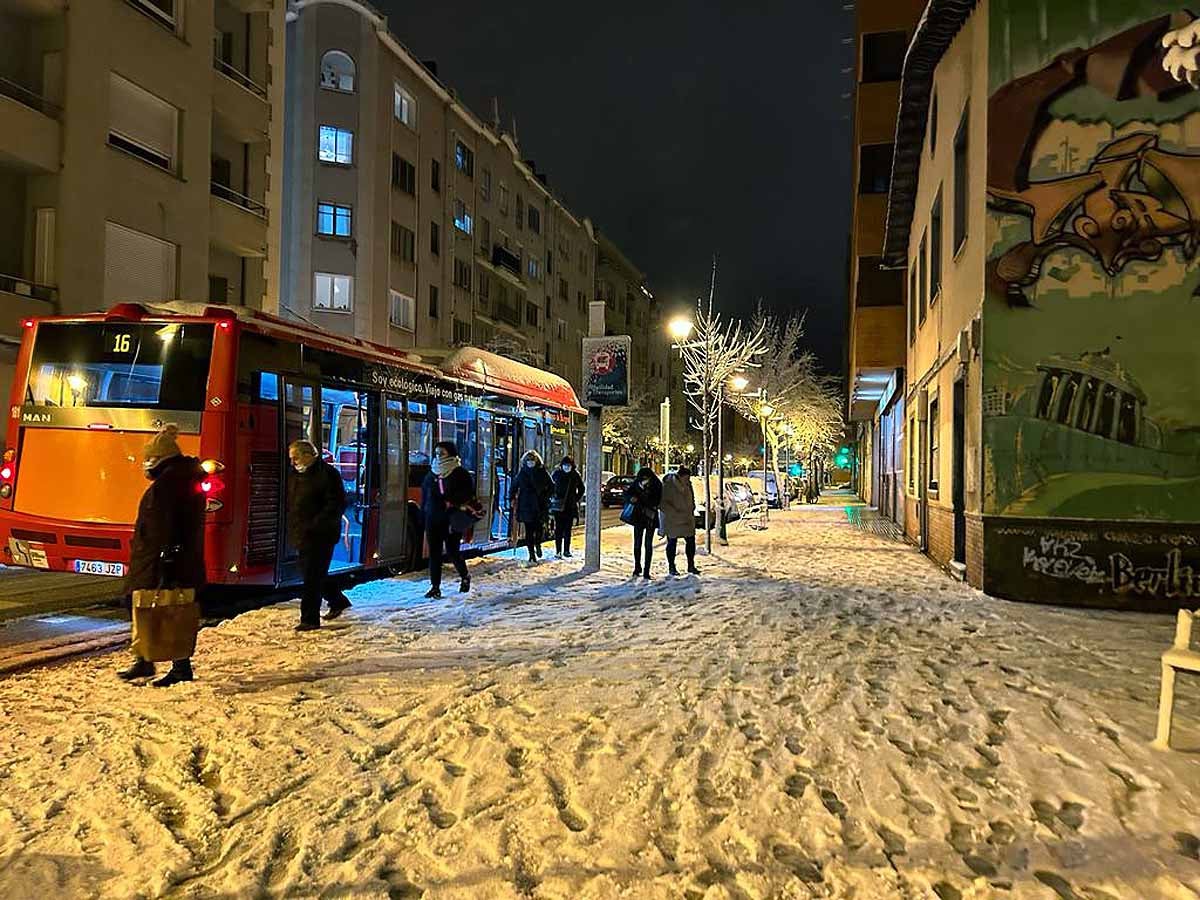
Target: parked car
column 613, row 491
column 730, row 506
column 774, row 500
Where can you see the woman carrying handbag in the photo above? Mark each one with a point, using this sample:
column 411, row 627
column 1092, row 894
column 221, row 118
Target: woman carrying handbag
column 642, row 499
column 166, row 562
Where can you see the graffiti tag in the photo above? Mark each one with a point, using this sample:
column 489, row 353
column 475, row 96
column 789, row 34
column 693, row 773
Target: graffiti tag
column 1064, row 559
column 1172, row 581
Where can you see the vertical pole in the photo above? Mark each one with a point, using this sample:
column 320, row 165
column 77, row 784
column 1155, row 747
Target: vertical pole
column 762, row 418
column 721, row 465
column 594, row 458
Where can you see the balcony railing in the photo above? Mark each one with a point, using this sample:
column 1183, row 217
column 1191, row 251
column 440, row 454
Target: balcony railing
column 242, row 79
column 24, row 288
column 506, row 259
column 508, row 314
column 26, row 97
column 229, row 195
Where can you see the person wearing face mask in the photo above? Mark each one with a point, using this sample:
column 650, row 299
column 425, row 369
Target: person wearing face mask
column 316, row 501
column 530, row 501
column 167, row 551
column 564, row 504
column 446, row 493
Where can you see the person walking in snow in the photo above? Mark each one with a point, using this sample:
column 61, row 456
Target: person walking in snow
column 677, row 517
column 447, row 495
column 564, row 504
column 642, row 499
column 316, row 501
column 167, row 552
column 530, row 501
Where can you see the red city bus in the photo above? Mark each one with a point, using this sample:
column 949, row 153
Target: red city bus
column 241, row 385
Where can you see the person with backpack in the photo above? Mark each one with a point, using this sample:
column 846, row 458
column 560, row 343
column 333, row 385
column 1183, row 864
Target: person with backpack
column 564, row 504
column 316, row 502
column 530, row 501
column 642, row 499
column 448, row 504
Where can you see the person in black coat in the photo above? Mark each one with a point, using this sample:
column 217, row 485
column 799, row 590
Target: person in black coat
column 447, row 487
column 167, row 549
column 530, row 501
column 316, row 501
column 642, row 499
column 564, row 504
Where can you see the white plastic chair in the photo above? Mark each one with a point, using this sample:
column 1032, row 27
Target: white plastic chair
column 1179, row 658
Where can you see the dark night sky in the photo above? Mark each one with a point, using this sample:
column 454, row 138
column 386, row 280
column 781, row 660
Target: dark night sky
column 680, row 129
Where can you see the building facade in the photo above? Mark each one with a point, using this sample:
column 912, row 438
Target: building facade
column 410, row 221
column 875, row 352
column 1041, row 201
column 139, row 155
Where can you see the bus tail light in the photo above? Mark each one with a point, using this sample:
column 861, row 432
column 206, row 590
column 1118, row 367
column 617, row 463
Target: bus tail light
column 212, row 467
column 8, row 471
column 211, row 485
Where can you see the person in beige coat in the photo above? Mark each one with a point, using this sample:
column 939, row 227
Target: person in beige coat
column 677, row 517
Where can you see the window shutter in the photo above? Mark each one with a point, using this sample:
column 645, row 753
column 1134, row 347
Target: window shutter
column 141, row 117
column 137, row 266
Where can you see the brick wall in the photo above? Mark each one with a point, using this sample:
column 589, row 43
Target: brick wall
column 975, row 550
column 941, row 534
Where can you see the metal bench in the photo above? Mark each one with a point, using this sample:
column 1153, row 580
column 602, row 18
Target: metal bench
column 1179, row 658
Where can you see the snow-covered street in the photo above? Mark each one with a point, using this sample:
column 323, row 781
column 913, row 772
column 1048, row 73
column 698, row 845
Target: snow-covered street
column 822, row 713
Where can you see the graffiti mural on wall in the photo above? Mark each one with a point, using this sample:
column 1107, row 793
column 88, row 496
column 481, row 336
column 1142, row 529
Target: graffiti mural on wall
column 1091, row 370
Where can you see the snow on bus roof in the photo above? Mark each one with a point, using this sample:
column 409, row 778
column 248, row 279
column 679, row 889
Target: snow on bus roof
column 511, row 376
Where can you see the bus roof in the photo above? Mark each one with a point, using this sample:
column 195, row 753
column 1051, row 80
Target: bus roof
column 468, row 365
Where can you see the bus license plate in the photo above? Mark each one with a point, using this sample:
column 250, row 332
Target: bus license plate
column 96, row 567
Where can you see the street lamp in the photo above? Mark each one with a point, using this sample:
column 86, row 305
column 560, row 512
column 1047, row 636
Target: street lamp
column 680, row 328
column 739, row 383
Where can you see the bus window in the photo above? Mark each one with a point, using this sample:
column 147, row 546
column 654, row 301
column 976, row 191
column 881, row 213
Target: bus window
column 123, row 364
column 533, row 440
column 420, row 443
column 454, row 424
column 268, row 386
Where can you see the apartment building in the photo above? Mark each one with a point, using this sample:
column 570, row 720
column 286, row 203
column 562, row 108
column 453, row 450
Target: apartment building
column 410, row 220
column 1053, row 391
column 136, row 155
column 875, row 333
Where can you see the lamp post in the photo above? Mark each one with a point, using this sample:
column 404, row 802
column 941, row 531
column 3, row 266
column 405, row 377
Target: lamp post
column 737, row 383
column 680, row 328
column 765, row 411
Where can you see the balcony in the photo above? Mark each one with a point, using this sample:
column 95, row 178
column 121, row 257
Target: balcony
column 20, row 298
column 30, row 135
column 504, row 258
column 239, row 223
column 879, row 335
column 509, row 314
column 239, row 104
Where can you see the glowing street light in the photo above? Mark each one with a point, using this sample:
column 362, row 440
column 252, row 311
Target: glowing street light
column 680, row 327
column 739, row 383
column 767, row 410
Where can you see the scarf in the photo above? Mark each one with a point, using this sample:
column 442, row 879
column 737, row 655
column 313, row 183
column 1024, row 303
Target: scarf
column 444, row 466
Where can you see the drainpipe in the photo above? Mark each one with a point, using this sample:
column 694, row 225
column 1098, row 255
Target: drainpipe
column 922, row 468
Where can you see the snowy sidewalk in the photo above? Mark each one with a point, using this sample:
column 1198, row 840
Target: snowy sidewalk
column 823, row 713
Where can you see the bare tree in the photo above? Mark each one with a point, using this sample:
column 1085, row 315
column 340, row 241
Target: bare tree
column 633, row 428
column 513, row 348
column 716, row 350
column 796, row 406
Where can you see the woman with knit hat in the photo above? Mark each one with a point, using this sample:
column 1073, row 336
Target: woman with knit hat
column 167, row 552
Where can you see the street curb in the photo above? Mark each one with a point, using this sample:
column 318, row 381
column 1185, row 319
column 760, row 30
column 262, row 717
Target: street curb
column 41, row 653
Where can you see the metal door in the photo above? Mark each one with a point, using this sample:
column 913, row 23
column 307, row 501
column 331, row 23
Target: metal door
column 393, row 481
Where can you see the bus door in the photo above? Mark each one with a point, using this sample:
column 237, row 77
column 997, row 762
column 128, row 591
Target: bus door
column 348, row 445
column 503, row 464
column 393, row 481
column 299, row 421
column 485, row 479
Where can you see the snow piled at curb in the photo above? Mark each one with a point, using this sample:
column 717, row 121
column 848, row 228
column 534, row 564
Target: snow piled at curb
column 821, row 714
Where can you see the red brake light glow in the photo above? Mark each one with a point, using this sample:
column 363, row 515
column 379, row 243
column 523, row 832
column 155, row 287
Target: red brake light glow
column 212, row 485
column 28, row 323
column 6, row 473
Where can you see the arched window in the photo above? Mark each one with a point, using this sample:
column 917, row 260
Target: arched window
column 337, row 71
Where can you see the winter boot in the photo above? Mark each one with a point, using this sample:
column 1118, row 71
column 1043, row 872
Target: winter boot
column 674, row 572
column 141, row 668
column 464, row 585
column 181, row 670
column 308, row 626
column 337, row 609
column 637, row 571
column 433, row 594
column 692, row 570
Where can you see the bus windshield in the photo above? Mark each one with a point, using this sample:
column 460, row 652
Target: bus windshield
column 120, row 364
